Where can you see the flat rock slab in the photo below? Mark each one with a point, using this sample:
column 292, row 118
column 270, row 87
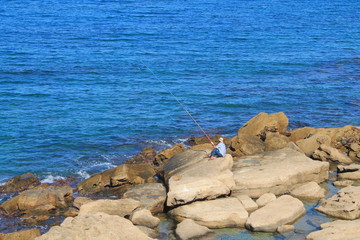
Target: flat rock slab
column 310, row 190
column 95, row 226
column 192, row 176
column 276, row 172
column 345, row 204
column 284, row 210
column 219, row 213
column 337, row 230
column 120, row 207
column 188, row 229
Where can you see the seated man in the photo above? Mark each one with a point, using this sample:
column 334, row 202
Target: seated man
column 219, row 150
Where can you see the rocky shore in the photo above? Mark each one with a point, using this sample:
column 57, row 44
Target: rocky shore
column 266, row 183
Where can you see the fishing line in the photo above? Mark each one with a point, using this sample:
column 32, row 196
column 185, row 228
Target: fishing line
column 178, row 101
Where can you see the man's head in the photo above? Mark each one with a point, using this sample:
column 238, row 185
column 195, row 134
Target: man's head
column 221, row 139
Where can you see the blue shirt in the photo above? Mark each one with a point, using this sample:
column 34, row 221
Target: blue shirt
column 222, row 148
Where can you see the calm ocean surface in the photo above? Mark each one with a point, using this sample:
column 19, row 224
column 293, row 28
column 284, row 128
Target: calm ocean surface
column 76, row 96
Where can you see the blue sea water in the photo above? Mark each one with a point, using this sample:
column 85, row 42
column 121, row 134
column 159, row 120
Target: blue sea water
column 84, row 84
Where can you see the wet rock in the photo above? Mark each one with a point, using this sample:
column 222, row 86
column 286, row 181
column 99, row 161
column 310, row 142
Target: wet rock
column 275, row 141
column 351, row 171
column 218, row 213
column 20, row 183
column 29, row 234
column 151, row 196
column 310, row 190
column 39, row 200
column 274, row 172
column 143, row 217
column 188, row 229
column 147, row 155
column 95, row 226
column 285, row 228
column 192, row 176
column 311, row 144
column 150, row 232
column 247, row 202
column 327, row 153
column 120, row 207
column 193, row 141
column 345, row 204
column 119, row 176
column 337, row 230
column 285, row 209
column 265, row 199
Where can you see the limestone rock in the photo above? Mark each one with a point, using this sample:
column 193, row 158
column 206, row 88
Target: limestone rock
column 263, row 122
column 166, row 154
column 275, row 141
column 327, row 153
column 284, row 210
column 95, row 226
column 39, row 200
column 247, row 202
column 274, row 172
column 143, row 217
column 345, row 204
column 150, row 232
column 29, row 234
column 311, row 144
column 310, row 190
column 188, row 229
column 151, row 196
column 120, row 207
column 204, row 146
column 351, row 171
column 192, row 176
column 218, row 213
column 265, row 199
column 121, row 175
column 20, row 183
column 343, row 183
column 247, row 144
column 285, row 228
column 147, row 155
column 301, row 133
column 79, row 201
column 337, row 230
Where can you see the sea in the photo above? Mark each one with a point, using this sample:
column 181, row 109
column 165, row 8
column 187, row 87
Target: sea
column 87, row 84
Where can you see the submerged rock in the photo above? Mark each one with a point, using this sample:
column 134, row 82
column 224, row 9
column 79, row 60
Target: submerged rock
column 274, row 172
column 218, row 213
column 192, row 176
column 337, row 230
column 286, row 209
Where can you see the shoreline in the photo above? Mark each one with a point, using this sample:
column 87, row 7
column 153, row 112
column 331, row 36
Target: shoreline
column 267, row 133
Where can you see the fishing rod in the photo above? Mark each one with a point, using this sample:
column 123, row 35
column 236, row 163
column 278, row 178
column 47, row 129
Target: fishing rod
column 178, row 101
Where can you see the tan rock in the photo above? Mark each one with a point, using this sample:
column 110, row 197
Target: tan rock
column 188, row 229
column 249, row 204
column 327, row 153
column 301, row 133
column 310, row 190
column 284, row 210
column 166, row 154
column 337, row 230
column 20, row 183
column 120, row 207
column 275, row 141
column 265, row 199
column 274, row 172
column 79, row 201
column 41, row 198
column 343, row 183
column 152, row 233
column 247, row 144
column 29, row 234
column 192, row 176
column 151, row 196
column 143, row 217
column 285, row 228
column 311, row 144
column 147, row 155
column 95, row 226
column 345, row 204
column 351, row 172
column 204, row 146
column 218, row 213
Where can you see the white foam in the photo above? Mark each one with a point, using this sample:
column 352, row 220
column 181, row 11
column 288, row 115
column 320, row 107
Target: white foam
column 51, row 179
column 83, row 174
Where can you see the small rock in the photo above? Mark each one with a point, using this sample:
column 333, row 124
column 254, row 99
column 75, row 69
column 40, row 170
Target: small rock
column 247, row 202
column 310, row 190
column 144, row 218
column 285, row 228
column 327, row 153
column 351, row 171
column 343, row 183
column 309, row 145
column 265, row 199
column 188, row 229
column 355, row 147
column 79, row 201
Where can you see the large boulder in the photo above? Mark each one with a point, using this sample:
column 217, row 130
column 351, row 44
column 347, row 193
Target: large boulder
column 245, row 144
column 166, row 154
column 274, row 172
column 119, row 176
column 151, row 196
column 192, row 176
column 275, row 141
column 95, row 226
column 337, row 230
column 285, row 209
column 188, row 229
column 20, row 183
column 39, row 200
column 345, row 204
column 119, row 207
column 218, row 213
column 29, row 234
